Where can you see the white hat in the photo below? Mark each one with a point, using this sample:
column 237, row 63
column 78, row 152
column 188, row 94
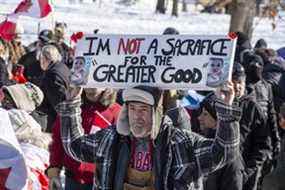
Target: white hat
column 26, row 96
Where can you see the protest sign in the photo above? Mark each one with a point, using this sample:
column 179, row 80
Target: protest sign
column 165, row 61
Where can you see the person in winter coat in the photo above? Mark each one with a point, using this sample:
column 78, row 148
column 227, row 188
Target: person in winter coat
column 32, row 69
column 145, row 151
column 263, row 95
column 20, row 100
column 98, row 111
column 64, row 49
column 5, row 75
column 244, row 172
column 231, row 175
column 16, row 49
column 255, row 133
column 22, row 96
column 23, row 99
column 275, row 180
column 18, row 74
column 54, row 83
column 273, row 73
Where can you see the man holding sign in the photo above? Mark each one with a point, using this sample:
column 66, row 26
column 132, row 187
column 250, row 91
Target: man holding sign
column 146, row 151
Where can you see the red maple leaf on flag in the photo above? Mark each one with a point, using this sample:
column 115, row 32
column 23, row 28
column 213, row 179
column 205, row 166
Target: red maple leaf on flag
column 7, row 30
column 4, row 173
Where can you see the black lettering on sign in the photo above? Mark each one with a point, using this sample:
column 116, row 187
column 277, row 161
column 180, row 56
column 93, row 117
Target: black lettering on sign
column 170, row 51
column 170, row 75
column 220, row 43
column 102, row 47
column 153, row 47
column 162, row 60
column 125, row 74
column 90, row 39
column 140, row 60
column 178, row 47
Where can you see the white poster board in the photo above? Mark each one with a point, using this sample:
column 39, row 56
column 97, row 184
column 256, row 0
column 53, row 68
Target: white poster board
column 166, row 61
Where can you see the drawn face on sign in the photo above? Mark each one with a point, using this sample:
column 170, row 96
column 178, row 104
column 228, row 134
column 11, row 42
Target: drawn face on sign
column 216, row 65
column 79, row 72
column 215, row 72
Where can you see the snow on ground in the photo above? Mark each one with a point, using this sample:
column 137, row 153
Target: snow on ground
column 111, row 16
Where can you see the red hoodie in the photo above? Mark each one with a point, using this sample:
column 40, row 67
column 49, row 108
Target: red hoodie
column 82, row 172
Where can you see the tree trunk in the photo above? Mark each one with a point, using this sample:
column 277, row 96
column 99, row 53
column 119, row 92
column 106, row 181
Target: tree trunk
column 242, row 16
column 184, row 6
column 175, row 8
column 160, row 6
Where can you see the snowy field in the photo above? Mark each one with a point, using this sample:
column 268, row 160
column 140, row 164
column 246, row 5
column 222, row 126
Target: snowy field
column 111, row 16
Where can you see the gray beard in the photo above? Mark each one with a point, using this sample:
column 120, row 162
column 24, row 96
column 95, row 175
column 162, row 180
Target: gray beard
column 139, row 133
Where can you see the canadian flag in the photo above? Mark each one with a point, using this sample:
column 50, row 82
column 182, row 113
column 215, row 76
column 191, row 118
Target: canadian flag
column 13, row 171
column 7, row 29
column 32, row 8
column 99, row 122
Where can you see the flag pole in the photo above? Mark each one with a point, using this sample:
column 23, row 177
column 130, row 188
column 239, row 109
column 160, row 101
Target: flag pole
column 39, row 27
column 100, row 3
column 52, row 14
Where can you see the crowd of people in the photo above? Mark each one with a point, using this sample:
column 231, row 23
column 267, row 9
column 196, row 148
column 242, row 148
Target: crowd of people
column 142, row 138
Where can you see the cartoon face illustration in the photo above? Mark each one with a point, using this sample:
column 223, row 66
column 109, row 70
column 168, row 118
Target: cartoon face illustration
column 80, row 71
column 215, row 72
column 216, row 65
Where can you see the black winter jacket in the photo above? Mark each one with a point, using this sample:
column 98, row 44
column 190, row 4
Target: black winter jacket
column 254, row 138
column 4, row 75
column 264, row 98
column 54, row 86
column 32, row 68
column 274, row 73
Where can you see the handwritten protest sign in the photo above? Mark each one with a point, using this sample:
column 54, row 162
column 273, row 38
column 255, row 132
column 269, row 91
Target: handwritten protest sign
column 165, row 61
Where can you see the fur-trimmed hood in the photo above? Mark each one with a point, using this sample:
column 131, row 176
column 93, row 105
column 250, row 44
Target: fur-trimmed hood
column 177, row 117
column 123, row 127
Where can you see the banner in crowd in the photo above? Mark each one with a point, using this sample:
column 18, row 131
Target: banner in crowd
column 165, row 61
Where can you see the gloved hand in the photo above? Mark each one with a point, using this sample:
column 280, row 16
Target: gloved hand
column 54, row 179
column 55, row 183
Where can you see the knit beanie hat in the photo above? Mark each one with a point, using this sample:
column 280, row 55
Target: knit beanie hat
column 25, row 96
column 144, row 94
column 261, row 43
column 170, row 31
column 46, row 36
column 208, row 104
column 252, row 58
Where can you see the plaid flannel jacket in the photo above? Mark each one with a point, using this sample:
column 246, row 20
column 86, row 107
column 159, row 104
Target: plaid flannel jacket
column 187, row 156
